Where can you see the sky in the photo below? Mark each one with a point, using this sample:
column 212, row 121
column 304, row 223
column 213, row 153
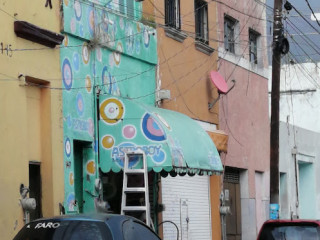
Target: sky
column 301, row 29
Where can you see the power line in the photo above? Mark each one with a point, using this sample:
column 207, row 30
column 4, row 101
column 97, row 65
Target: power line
column 304, row 18
column 306, row 38
column 312, row 12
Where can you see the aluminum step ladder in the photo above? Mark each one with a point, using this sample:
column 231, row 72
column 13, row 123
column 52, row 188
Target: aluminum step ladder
column 126, row 191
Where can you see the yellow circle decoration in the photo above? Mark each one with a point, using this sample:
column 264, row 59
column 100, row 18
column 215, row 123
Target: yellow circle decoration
column 91, row 167
column 85, row 53
column 107, row 141
column 111, row 110
column 71, row 179
column 138, row 27
column 66, row 2
column 65, row 40
column 117, row 54
column 88, row 83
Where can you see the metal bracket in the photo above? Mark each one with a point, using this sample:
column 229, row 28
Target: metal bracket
column 210, row 105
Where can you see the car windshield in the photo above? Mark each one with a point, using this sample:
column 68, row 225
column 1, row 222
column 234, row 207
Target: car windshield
column 64, row 230
column 290, row 232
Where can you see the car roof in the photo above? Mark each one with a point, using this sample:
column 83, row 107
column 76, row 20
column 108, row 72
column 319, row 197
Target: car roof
column 281, row 221
column 100, row 217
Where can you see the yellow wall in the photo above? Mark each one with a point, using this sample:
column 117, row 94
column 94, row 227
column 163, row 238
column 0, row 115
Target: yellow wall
column 31, row 117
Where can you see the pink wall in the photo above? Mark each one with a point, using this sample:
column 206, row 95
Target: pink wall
column 244, row 110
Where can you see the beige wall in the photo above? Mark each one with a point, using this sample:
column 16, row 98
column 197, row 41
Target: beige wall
column 30, row 123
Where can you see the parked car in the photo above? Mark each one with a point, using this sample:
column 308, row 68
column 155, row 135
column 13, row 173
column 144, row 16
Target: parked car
column 87, row 227
column 290, row 230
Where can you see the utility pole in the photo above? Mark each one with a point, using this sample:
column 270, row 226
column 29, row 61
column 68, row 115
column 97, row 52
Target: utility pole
column 275, row 97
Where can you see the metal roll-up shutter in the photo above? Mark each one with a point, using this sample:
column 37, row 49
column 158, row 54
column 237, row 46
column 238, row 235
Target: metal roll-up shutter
column 187, row 204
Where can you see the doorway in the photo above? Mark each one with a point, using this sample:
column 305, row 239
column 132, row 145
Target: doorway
column 84, row 175
column 35, row 188
column 232, row 199
column 307, row 190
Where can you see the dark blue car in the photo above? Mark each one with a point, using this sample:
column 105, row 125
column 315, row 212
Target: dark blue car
column 87, row 227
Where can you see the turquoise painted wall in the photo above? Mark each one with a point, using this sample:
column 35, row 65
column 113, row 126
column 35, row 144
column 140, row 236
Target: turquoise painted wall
column 102, row 52
column 307, row 191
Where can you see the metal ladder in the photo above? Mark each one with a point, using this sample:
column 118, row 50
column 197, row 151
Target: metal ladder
column 127, row 190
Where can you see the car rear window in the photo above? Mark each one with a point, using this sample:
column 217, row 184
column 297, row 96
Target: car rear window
column 290, row 232
column 64, row 230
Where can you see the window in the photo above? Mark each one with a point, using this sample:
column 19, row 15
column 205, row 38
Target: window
column 130, row 8
column 229, row 34
column 253, row 46
column 172, row 9
column 121, row 6
column 127, row 7
column 201, row 21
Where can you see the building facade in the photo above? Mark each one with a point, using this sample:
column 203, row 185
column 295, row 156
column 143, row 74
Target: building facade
column 100, row 102
column 244, row 115
column 107, row 54
column 31, row 105
column 299, row 134
column 299, row 98
column 109, row 67
column 187, row 54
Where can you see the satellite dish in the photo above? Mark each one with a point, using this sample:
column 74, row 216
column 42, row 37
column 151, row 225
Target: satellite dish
column 219, row 82
column 221, row 85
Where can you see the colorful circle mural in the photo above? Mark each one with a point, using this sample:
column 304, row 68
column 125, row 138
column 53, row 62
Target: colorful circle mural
column 77, row 10
column 76, row 61
column 73, row 25
column 91, row 167
column 90, row 127
column 88, row 84
column 85, row 53
column 117, row 54
column 107, row 141
column 138, row 27
column 106, row 79
column 160, row 157
column 67, row 74
column 67, row 147
column 71, row 201
column 91, row 21
column 152, row 129
column 80, row 104
column 138, row 46
column 146, row 37
column 66, row 40
column 129, row 39
column 71, row 178
column 81, row 30
column 129, row 131
column 111, row 110
column 99, row 54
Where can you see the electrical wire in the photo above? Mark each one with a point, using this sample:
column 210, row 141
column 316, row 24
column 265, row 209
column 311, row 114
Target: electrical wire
column 312, row 12
column 305, row 19
column 303, row 35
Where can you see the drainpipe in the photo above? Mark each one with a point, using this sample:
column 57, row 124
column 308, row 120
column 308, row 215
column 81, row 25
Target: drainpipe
column 296, row 174
column 96, row 113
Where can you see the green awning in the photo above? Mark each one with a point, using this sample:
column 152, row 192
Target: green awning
column 170, row 140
